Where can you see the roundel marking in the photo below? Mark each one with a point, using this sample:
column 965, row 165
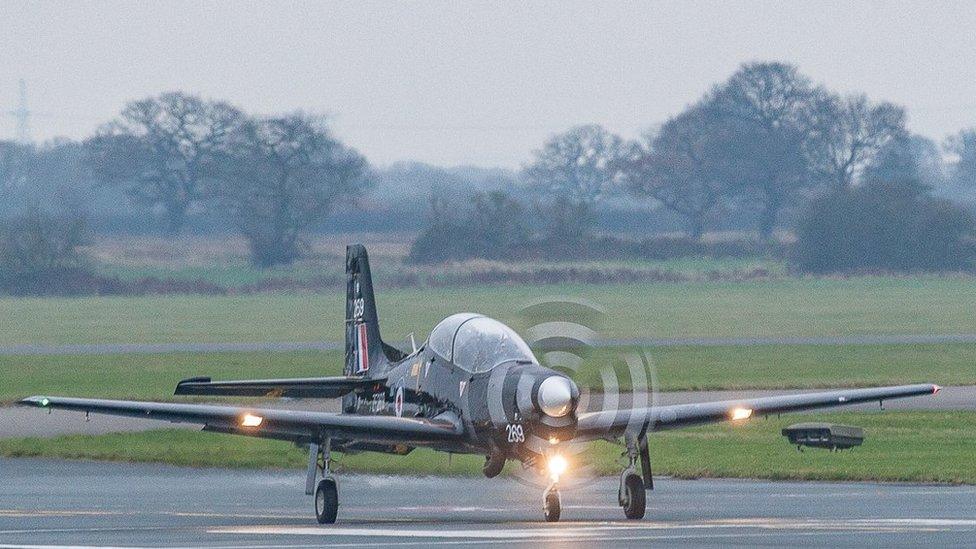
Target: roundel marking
column 398, row 402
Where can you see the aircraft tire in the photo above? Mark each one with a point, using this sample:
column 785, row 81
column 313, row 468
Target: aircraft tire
column 635, row 497
column 552, row 506
column 494, row 463
column 326, row 501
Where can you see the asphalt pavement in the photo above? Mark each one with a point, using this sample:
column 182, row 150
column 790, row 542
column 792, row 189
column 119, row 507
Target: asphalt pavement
column 45, row 503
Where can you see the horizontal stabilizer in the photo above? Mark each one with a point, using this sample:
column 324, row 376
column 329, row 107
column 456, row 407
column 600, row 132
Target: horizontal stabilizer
column 310, row 387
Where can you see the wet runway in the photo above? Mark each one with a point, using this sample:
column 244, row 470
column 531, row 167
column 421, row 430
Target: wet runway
column 49, row 503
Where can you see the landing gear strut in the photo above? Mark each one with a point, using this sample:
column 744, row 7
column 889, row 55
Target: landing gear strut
column 632, row 494
column 494, row 463
column 327, row 490
column 551, row 504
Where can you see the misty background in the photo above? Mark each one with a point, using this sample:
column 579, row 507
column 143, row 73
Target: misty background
column 473, row 83
column 767, row 139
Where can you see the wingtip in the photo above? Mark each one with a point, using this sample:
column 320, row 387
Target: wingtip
column 183, row 387
column 936, row 389
column 36, row 400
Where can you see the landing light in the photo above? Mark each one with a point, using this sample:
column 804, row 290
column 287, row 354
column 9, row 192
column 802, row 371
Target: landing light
column 553, row 440
column 45, row 402
column 741, row 413
column 250, row 420
column 557, row 466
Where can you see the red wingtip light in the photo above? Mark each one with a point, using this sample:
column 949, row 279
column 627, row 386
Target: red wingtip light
column 936, row 389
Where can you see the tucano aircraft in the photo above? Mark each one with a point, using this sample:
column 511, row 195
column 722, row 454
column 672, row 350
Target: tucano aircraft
column 473, row 387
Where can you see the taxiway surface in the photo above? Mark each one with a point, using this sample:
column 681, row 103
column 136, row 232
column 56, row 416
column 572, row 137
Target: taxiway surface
column 49, row 503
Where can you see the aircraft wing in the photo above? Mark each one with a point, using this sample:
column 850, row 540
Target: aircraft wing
column 309, row 387
column 613, row 424
column 295, row 425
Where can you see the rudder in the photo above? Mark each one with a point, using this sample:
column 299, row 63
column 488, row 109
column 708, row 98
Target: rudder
column 365, row 350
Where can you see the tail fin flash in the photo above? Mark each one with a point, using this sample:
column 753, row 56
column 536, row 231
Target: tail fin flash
column 365, row 350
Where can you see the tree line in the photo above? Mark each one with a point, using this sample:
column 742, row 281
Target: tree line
column 764, row 144
column 767, row 145
column 766, row 140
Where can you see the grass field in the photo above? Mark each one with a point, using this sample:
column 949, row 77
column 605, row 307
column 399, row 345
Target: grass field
column 223, row 260
column 919, row 446
column 154, row 376
column 787, row 307
column 240, row 273
column 900, row 446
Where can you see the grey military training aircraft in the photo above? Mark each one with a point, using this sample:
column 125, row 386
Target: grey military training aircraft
column 474, row 386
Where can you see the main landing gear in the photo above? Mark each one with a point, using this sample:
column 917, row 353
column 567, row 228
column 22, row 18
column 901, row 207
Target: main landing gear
column 632, row 494
column 327, row 490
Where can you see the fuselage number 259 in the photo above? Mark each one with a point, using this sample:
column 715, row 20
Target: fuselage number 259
column 515, row 432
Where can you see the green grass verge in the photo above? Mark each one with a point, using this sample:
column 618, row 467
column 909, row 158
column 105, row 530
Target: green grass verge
column 154, row 376
column 901, row 446
column 787, row 307
column 149, row 376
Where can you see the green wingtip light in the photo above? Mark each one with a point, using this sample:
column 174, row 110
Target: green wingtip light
column 45, row 402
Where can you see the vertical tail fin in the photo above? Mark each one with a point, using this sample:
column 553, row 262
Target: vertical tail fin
column 365, row 350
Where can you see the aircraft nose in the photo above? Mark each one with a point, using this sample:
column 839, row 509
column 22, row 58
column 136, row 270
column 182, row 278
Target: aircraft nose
column 555, row 396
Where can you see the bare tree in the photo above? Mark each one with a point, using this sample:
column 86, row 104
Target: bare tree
column 848, row 133
column 580, row 164
column 573, row 171
column 768, row 106
column 15, row 163
column 908, row 157
column 685, row 166
column 39, row 252
column 281, row 176
column 163, row 151
column 51, row 178
column 963, row 171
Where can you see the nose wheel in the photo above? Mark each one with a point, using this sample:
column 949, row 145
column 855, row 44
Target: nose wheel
column 552, row 506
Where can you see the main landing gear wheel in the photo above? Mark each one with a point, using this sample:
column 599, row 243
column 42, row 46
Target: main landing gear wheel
column 634, row 499
column 552, row 506
column 326, row 501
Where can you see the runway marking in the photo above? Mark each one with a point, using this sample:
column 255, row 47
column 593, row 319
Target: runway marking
column 21, row 513
column 426, row 543
column 588, row 532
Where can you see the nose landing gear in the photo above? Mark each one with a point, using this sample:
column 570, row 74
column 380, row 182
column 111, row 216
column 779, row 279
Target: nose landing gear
column 551, row 504
column 494, row 463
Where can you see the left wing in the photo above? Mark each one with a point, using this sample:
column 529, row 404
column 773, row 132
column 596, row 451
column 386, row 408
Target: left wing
column 294, row 425
column 614, row 423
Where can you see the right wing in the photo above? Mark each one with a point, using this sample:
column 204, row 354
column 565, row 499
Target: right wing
column 294, row 425
column 638, row 421
column 309, row 387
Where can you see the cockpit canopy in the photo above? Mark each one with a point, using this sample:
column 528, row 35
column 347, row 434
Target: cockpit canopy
column 477, row 343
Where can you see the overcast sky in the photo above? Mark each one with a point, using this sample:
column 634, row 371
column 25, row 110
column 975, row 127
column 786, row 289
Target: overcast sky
column 473, row 83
